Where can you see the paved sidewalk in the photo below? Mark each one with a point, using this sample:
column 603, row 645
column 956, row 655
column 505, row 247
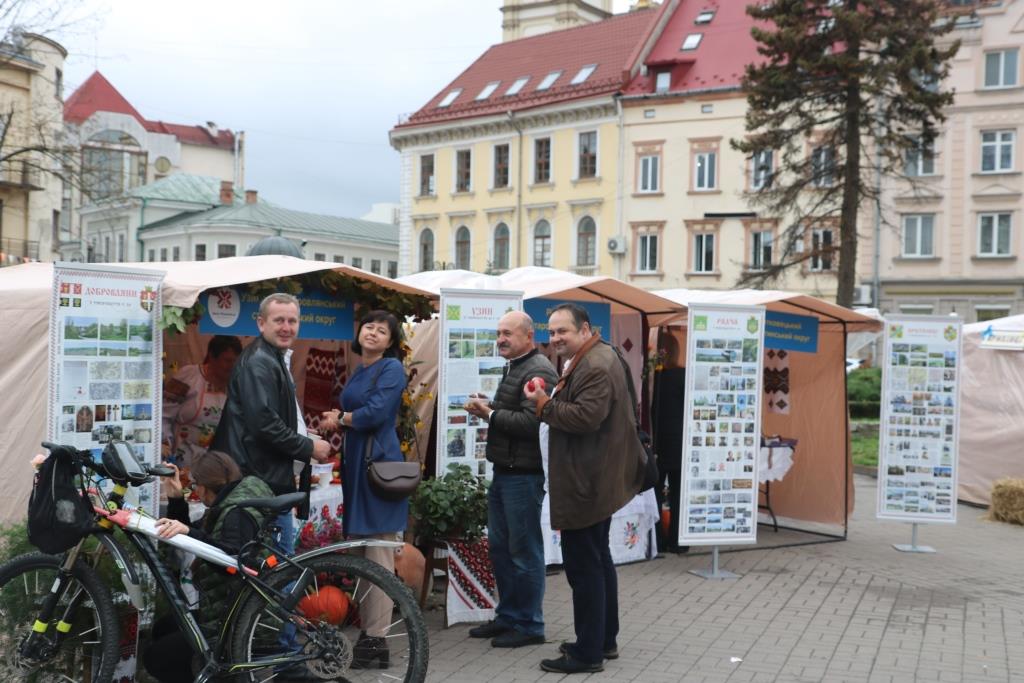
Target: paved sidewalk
column 850, row 611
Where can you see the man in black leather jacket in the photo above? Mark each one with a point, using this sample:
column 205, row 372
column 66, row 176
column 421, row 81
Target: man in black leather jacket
column 260, row 425
column 517, row 489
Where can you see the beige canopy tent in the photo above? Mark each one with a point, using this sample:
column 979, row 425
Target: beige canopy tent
column 817, row 492
column 991, row 412
column 25, row 293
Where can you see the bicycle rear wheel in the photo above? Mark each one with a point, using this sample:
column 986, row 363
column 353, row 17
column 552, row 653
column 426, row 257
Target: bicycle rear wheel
column 86, row 652
column 401, row 655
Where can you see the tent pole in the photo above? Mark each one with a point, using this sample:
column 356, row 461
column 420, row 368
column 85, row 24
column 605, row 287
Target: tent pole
column 847, row 465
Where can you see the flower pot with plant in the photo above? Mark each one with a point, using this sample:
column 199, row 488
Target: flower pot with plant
column 451, row 507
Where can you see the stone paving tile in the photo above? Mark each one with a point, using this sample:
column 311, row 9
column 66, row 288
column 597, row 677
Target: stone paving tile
column 856, row 611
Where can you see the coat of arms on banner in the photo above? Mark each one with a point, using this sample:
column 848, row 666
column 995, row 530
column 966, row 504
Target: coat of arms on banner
column 147, row 298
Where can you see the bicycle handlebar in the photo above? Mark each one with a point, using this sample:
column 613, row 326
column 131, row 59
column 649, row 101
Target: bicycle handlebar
column 86, row 460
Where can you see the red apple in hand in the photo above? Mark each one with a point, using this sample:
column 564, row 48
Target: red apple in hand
column 535, row 383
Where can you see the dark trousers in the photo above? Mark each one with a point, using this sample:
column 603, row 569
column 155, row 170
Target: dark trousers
column 668, row 539
column 595, row 590
column 168, row 658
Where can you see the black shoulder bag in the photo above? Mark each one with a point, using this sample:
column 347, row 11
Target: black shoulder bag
column 392, row 480
column 651, row 475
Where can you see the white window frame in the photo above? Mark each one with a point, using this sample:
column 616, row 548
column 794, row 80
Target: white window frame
column 551, row 244
column 823, row 155
column 583, row 74
column 517, row 85
column 710, row 180
column 455, row 170
column 432, row 185
column 576, row 242
column 915, row 224
column 1014, row 73
column 549, row 80
column 449, row 98
column 508, row 246
column 920, row 161
column 692, row 41
column 757, row 248
column 1001, row 139
column 455, row 248
column 644, row 262
column 494, row 166
column 652, row 174
column 1005, row 308
column 551, row 160
column 817, row 261
column 663, row 81
column 760, row 177
column 699, row 247
column 994, row 217
column 705, row 16
column 488, row 90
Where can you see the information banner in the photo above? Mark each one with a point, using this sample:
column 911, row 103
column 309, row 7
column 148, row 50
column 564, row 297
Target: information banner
column 540, row 310
column 232, row 310
column 920, row 421
column 105, row 369
column 722, row 437
column 791, row 332
column 468, row 364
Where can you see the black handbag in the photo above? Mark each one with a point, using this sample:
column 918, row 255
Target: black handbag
column 651, row 474
column 392, row 480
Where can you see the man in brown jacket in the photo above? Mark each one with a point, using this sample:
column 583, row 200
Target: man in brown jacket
column 595, row 466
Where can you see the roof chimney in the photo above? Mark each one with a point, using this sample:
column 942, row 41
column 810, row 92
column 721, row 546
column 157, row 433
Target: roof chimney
column 250, row 196
column 227, row 192
column 212, row 127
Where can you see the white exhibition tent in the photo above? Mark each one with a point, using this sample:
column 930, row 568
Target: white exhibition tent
column 991, row 412
column 25, row 297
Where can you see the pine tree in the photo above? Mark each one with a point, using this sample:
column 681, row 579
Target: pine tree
column 841, row 85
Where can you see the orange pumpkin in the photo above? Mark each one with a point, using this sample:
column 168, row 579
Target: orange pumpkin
column 329, row 604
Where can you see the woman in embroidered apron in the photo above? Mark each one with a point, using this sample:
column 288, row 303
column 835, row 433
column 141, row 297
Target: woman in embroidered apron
column 194, row 399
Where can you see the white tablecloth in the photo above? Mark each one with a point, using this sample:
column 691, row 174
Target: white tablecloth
column 631, row 538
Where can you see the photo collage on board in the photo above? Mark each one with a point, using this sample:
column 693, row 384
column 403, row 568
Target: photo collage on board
column 722, row 446
column 106, row 387
column 473, row 367
column 921, row 428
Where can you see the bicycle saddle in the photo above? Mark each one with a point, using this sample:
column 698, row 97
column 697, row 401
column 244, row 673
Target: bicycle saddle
column 275, row 504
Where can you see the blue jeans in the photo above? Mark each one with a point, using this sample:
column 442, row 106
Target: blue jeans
column 286, row 541
column 517, row 549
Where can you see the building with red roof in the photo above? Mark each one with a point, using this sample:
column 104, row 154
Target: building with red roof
column 515, row 161
column 121, row 150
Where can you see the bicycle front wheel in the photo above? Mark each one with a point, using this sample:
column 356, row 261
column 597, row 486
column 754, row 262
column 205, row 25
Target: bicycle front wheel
column 338, row 604
column 83, row 650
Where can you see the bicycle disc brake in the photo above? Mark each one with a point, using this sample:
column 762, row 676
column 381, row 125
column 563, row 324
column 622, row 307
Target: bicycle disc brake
column 334, row 652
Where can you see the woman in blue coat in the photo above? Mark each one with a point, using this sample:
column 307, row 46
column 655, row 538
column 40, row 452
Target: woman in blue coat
column 370, row 402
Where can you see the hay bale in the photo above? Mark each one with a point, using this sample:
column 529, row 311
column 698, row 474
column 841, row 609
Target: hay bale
column 1008, row 501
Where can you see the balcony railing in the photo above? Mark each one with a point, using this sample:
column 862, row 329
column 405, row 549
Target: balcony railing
column 16, row 251
column 20, row 173
column 586, row 271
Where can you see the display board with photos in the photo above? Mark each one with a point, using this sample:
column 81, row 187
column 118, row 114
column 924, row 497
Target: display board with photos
column 104, row 364
column 469, row 364
column 920, row 419
column 722, row 437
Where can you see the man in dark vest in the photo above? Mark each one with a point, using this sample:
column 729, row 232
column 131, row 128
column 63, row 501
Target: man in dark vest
column 517, row 489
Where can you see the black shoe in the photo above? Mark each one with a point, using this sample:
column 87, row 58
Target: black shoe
column 489, row 630
column 610, row 653
column 368, row 650
column 516, row 639
column 567, row 664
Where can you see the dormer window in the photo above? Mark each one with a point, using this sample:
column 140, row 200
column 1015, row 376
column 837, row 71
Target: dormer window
column 449, row 98
column 517, row 86
column 663, row 81
column 488, row 90
column 692, row 41
column 549, row 80
column 705, row 17
column 583, row 74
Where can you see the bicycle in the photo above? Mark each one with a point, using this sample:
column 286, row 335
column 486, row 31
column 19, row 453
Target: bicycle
column 58, row 619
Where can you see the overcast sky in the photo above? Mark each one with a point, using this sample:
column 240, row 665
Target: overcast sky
column 315, row 84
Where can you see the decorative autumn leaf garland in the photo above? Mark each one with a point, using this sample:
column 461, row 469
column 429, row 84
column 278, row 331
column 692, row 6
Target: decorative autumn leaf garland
column 365, row 295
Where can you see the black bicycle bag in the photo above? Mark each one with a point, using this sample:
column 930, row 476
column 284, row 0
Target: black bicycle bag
column 59, row 512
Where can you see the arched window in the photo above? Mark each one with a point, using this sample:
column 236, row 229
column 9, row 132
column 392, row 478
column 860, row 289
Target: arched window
column 586, row 242
column 427, row 249
column 112, row 162
column 542, row 244
column 500, row 247
column 462, row 248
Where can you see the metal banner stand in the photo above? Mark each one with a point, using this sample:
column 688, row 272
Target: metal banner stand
column 913, row 547
column 714, row 572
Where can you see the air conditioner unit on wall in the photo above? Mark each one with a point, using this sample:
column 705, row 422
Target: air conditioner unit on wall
column 862, row 295
column 617, row 245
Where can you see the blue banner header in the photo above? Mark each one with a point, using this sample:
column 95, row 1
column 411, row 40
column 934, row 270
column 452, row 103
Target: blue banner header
column 790, row 332
column 540, row 310
column 231, row 310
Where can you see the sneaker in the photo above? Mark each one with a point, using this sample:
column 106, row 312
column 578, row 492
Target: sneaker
column 516, row 639
column 489, row 630
column 610, row 653
column 567, row 664
column 370, row 651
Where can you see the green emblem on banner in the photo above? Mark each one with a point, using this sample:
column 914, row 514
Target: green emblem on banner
column 752, row 325
column 454, row 312
column 896, row 331
column 950, row 333
column 700, row 323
